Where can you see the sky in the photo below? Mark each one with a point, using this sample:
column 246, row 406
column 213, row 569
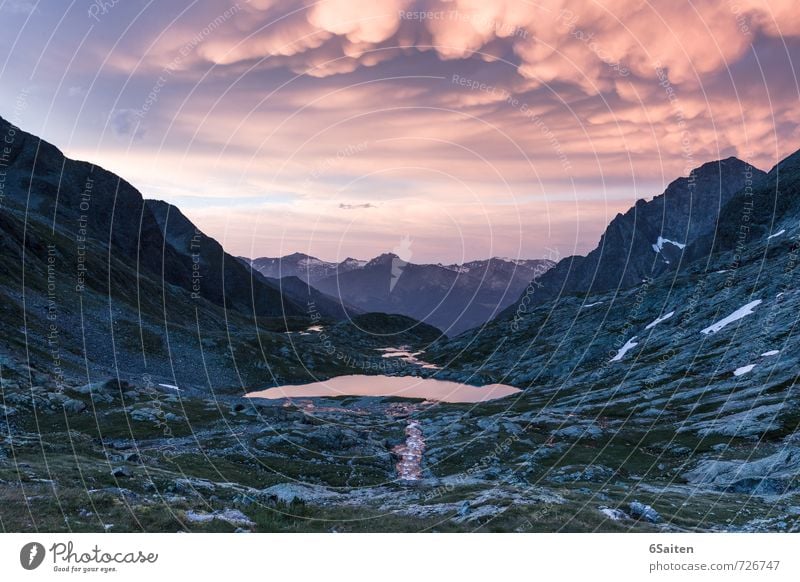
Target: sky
column 455, row 130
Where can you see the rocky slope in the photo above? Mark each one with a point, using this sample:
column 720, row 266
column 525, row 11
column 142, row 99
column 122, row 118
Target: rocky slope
column 97, row 280
column 687, row 380
column 651, row 237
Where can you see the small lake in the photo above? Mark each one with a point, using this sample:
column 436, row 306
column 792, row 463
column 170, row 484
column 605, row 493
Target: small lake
column 397, row 386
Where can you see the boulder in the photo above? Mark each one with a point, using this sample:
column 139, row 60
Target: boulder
column 644, row 512
column 120, row 472
column 293, row 492
column 146, row 414
column 72, row 406
column 232, row 516
column 613, row 514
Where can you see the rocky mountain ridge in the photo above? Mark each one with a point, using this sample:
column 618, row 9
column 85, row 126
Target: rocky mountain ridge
column 453, row 297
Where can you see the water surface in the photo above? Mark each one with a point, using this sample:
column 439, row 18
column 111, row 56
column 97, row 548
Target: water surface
column 399, row 386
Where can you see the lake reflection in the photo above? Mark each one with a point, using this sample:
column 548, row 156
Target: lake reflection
column 399, row 386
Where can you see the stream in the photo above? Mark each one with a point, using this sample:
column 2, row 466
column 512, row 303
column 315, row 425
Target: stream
column 409, row 467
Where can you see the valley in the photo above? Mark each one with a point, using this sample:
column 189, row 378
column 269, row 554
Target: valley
column 649, row 386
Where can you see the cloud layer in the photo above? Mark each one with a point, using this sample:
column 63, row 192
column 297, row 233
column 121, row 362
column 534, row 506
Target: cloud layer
column 500, row 127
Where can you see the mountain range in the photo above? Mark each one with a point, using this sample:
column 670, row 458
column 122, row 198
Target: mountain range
column 453, row 298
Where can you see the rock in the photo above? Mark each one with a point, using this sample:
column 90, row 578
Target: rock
column 679, row 451
column 7, row 411
column 193, row 486
column 72, row 406
column 492, row 474
column 292, row 492
column 232, row 516
column 772, row 475
column 132, row 457
column 245, row 499
column 116, row 387
column 269, row 411
column 644, row 512
column 97, row 390
column 271, row 442
column 589, row 431
column 613, row 514
column 484, row 511
column 121, row 472
column 489, row 425
column 333, row 437
column 146, row 414
column 18, row 399
column 57, row 398
column 752, row 422
column 576, row 473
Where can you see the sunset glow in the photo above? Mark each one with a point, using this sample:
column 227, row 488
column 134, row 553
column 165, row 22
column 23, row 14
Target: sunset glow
column 339, row 127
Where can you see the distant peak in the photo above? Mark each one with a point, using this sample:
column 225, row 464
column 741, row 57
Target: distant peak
column 296, row 256
column 383, row 258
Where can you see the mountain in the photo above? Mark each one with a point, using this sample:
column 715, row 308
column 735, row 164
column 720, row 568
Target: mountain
column 314, row 301
column 453, row 298
column 678, row 390
column 307, row 268
column 129, row 286
column 651, row 237
column 768, row 206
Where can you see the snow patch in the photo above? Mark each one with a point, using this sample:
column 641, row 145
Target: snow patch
column 356, row 262
column 659, row 320
column 312, row 262
column 629, row 345
column 170, row 386
column 743, row 311
column 591, row 304
column 779, row 233
column 662, row 241
column 770, row 353
column 743, row 370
